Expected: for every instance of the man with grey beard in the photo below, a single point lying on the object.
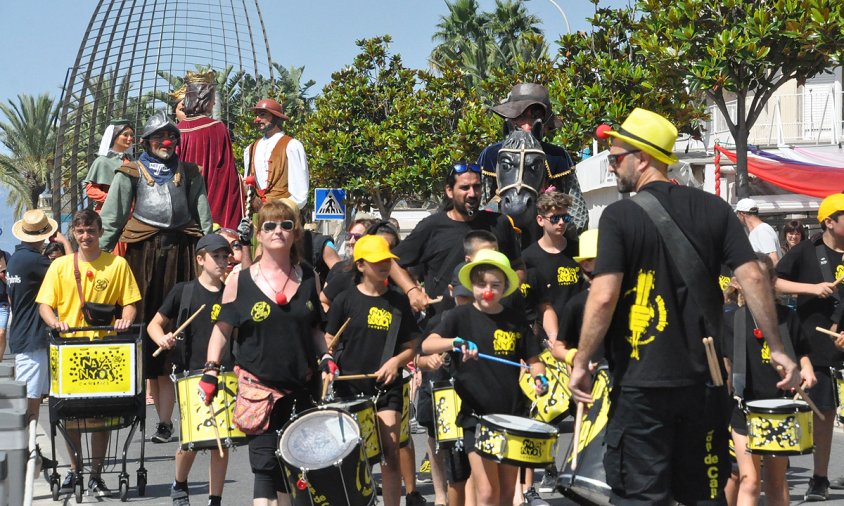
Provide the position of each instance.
(158, 206)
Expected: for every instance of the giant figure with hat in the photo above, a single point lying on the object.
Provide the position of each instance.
(159, 208)
(528, 109)
(275, 165)
(206, 142)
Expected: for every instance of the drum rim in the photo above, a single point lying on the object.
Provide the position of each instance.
(442, 385)
(365, 401)
(516, 431)
(789, 406)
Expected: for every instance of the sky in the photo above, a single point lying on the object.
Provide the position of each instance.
(40, 39)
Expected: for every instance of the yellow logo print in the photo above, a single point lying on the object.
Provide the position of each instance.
(524, 288)
(723, 282)
(379, 318)
(568, 275)
(260, 311)
(504, 341)
(215, 312)
(766, 353)
(642, 313)
(839, 271)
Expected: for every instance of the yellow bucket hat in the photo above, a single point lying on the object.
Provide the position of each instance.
(372, 248)
(648, 131)
(489, 257)
(588, 246)
(830, 205)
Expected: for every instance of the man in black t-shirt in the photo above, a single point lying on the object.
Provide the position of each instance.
(808, 271)
(435, 243)
(667, 433)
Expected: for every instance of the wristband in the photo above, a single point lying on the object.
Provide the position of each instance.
(211, 366)
(459, 341)
(570, 356)
(411, 289)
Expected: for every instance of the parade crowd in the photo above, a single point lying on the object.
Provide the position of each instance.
(697, 310)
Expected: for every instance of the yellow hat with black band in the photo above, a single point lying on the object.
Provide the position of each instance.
(645, 130)
(830, 205)
(490, 257)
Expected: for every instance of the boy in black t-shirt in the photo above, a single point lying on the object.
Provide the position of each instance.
(497, 331)
(212, 257)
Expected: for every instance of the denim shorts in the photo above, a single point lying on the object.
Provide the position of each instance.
(4, 316)
(33, 368)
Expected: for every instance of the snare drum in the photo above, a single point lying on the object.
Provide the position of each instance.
(555, 405)
(323, 460)
(779, 427)
(515, 440)
(446, 406)
(404, 436)
(196, 427)
(363, 410)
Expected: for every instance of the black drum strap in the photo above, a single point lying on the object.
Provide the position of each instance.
(183, 315)
(828, 276)
(392, 336)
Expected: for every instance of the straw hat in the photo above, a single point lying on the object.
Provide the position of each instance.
(648, 131)
(588, 245)
(490, 257)
(35, 226)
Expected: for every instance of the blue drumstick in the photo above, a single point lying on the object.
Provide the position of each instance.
(496, 359)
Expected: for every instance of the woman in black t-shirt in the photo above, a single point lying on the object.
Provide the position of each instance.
(275, 307)
(372, 310)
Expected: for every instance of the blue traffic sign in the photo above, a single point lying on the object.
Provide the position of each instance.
(330, 203)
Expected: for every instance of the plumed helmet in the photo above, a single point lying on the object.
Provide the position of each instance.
(158, 122)
(271, 106)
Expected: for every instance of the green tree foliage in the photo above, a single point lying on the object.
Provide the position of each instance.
(743, 50)
(28, 133)
(385, 132)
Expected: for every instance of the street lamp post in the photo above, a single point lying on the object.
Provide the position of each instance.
(563, 14)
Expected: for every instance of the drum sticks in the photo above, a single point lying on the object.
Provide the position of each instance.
(802, 394)
(216, 430)
(576, 441)
(712, 359)
(355, 377)
(496, 359)
(833, 335)
(181, 328)
(336, 339)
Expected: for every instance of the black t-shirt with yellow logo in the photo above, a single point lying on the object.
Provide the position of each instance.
(801, 264)
(362, 342)
(655, 337)
(485, 386)
(275, 343)
(196, 337)
(557, 277)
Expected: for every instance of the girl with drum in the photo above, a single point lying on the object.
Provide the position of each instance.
(761, 380)
(379, 339)
(275, 307)
(485, 386)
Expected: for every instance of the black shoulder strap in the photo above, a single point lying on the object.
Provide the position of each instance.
(693, 270)
(739, 351)
(829, 276)
(392, 335)
(184, 303)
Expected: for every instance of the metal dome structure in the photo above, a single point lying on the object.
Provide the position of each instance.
(133, 53)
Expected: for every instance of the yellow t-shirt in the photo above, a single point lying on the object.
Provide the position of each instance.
(111, 282)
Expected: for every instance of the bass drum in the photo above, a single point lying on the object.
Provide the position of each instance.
(323, 459)
(588, 484)
(446, 406)
(363, 410)
(196, 425)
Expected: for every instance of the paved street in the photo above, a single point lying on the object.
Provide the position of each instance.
(159, 464)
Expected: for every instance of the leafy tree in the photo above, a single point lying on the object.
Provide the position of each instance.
(743, 50)
(385, 132)
(29, 134)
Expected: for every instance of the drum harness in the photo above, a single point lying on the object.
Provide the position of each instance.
(828, 276)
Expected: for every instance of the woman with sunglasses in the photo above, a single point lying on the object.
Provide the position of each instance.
(379, 339)
(274, 293)
(356, 230)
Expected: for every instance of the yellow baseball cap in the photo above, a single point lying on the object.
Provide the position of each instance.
(490, 257)
(588, 245)
(830, 205)
(648, 131)
(373, 248)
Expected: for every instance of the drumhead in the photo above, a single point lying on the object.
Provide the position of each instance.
(319, 438)
(777, 406)
(518, 423)
(351, 405)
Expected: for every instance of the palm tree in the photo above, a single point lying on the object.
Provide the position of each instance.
(29, 135)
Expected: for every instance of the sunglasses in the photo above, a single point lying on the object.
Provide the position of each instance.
(235, 245)
(460, 168)
(350, 236)
(555, 218)
(270, 226)
(615, 159)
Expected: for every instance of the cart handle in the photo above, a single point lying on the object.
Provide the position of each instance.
(100, 327)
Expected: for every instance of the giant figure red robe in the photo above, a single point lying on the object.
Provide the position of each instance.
(206, 142)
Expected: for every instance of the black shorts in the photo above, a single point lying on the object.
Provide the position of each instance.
(738, 421)
(457, 467)
(391, 399)
(425, 409)
(668, 443)
(822, 393)
(162, 365)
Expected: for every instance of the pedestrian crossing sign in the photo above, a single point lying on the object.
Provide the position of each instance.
(330, 203)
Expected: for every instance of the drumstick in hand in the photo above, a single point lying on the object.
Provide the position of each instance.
(837, 281)
(216, 430)
(325, 382)
(181, 328)
(805, 397)
(336, 339)
(577, 423)
(355, 377)
(833, 335)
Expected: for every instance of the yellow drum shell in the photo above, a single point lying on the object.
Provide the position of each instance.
(446, 406)
(404, 436)
(196, 427)
(363, 411)
(555, 404)
(515, 440)
(779, 427)
(85, 368)
(838, 389)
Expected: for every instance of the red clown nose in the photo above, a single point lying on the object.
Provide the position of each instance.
(601, 132)
(166, 143)
(488, 296)
(249, 180)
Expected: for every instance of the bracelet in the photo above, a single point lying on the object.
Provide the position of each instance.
(570, 356)
(414, 287)
(211, 366)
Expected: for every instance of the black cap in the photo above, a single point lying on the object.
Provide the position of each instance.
(457, 287)
(213, 242)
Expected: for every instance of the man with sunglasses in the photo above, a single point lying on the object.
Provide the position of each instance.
(158, 206)
(434, 246)
(666, 438)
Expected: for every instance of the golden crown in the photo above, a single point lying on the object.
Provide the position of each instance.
(178, 95)
(207, 77)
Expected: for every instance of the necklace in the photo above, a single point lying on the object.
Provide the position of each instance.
(280, 298)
